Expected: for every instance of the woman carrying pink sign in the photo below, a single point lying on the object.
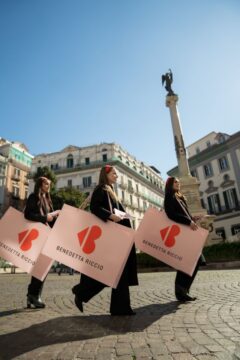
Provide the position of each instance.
(176, 209)
(38, 208)
(103, 203)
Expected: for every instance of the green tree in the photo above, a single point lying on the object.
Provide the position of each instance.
(69, 196)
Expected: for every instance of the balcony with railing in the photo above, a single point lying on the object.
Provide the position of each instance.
(133, 205)
(87, 187)
(224, 210)
(15, 177)
(78, 167)
(130, 189)
(151, 200)
(126, 203)
(123, 185)
(26, 181)
(137, 191)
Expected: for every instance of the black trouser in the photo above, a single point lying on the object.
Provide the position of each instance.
(120, 298)
(184, 280)
(35, 286)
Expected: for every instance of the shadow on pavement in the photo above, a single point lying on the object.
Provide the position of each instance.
(77, 328)
(16, 311)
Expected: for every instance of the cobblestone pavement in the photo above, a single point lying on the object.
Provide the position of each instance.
(208, 328)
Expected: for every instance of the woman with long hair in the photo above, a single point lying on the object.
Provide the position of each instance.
(176, 208)
(103, 201)
(38, 208)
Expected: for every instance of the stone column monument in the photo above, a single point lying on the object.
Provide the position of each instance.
(189, 184)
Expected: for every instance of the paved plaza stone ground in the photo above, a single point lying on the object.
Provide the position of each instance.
(163, 328)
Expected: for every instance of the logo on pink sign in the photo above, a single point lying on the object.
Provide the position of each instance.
(26, 237)
(87, 238)
(169, 234)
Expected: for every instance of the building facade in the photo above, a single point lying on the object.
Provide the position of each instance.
(15, 165)
(138, 187)
(215, 161)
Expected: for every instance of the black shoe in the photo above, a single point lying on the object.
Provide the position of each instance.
(36, 301)
(185, 297)
(180, 292)
(77, 300)
(78, 303)
(74, 289)
(190, 298)
(123, 313)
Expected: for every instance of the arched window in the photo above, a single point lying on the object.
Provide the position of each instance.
(104, 157)
(221, 139)
(210, 183)
(226, 177)
(70, 161)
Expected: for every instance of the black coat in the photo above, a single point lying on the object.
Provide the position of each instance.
(32, 211)
(99, 206)
(175, 211)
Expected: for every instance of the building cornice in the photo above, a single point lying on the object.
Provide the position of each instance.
(115, 162)
(204, 137)
(234, 214)
(77, 148)
(118, 149)
(19, 165)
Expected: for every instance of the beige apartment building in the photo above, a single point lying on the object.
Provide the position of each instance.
(15, 165)
(215, 161)
(139, 186)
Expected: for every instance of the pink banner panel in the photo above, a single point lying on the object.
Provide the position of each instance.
(89, 245)
(174, 244)
(42, 266)
(21, 240)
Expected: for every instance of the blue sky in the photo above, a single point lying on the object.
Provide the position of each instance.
(87, 71)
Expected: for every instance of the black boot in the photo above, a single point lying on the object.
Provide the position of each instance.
(36, 301)
(77, 299)
(182, 294)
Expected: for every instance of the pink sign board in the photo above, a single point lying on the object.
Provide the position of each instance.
(42, 266)
(89, 245)
(21, 240)
(172, 243)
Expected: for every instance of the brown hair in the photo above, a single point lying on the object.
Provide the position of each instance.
(103, 181)
(169, 191)
(38, 192)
